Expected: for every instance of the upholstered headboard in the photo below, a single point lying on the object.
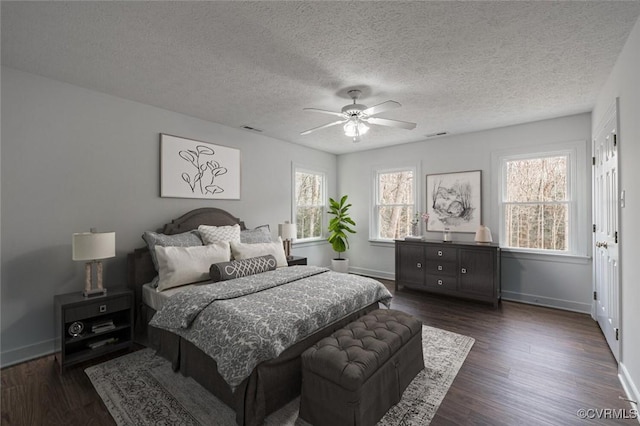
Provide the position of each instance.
(140, 268)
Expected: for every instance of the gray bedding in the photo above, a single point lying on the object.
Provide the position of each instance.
(243, 322)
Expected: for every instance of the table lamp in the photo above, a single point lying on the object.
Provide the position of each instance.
(93, 246)
(287, 231)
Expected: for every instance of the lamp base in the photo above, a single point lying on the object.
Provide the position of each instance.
(287, 248)
(95, 292)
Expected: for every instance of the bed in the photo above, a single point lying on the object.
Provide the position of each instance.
(273, 382)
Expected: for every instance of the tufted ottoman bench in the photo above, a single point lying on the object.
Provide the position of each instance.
(355, 375)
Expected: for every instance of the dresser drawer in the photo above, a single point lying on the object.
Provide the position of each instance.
(435, 267)
(446, 254)
(99, 307)
(441, 281)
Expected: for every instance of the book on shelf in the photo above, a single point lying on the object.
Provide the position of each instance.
(100, 343)
(102, 326)
(101, 329)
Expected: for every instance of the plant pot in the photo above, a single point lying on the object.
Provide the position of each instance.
(340, 265)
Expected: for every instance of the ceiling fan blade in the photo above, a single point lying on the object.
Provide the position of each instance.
(392, 123)
(385, 106)
(324, 126)
(324, 111)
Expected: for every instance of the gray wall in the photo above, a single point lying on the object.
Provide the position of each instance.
(73, 159)
(561, 282)
(623, 83)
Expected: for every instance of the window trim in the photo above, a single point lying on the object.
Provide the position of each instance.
(578, 191)
(374, 225)
(295, 168)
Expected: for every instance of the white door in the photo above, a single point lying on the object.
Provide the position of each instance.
(606, 265)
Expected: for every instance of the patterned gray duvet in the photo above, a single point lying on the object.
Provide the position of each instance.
(243, 322)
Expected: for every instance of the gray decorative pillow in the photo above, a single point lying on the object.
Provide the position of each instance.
(210, 234)
(240, 268)
(260, 234)
(186, 239)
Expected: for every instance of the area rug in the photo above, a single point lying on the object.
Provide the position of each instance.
(141, 389)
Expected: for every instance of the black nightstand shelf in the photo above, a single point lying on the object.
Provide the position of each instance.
(296, 260)
(114, 309)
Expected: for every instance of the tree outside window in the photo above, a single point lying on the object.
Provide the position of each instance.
(310, 204)
(395, 203)
(537, 203)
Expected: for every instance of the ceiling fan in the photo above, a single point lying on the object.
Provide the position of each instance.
(355, 117)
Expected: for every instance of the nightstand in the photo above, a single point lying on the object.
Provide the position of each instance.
(297, 260)
(92, 327)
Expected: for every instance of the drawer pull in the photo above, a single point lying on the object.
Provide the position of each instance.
(439, 252)
(439, 267)
(419, 265)
(439, 282)
(464, 270)
(103, 308)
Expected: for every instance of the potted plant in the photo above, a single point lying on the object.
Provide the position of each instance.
(339, 226)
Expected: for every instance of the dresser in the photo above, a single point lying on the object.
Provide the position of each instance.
(468, 270)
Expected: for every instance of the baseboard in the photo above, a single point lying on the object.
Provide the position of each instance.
(27, 353)
(531, 299)
(630, 388)
(372, 273)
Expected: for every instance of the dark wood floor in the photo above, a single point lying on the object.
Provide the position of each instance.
(528, 366)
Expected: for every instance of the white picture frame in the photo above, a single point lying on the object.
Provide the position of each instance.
(195, 169)
(454, 201)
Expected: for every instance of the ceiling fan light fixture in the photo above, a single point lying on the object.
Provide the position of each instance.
(355, 128)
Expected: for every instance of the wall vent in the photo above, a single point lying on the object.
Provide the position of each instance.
(436, 134)
(251, 129)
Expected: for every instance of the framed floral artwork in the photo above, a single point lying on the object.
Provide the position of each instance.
(195, 169)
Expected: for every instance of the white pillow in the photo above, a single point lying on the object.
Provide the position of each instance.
(210, 234)
(185, 265)
(246, 251)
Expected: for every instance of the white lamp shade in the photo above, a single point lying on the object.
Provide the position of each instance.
(287, 231)
(355, 128)
(93, 245)
(483, 234)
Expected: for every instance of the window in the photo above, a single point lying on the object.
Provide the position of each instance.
(537, 203)
(395, 203)
(539, 208)
(309, 201)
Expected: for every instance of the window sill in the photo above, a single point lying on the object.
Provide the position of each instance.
(511, 253)
(382, 243)
(309, 242)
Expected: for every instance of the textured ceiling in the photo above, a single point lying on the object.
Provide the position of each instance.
(454, 66)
